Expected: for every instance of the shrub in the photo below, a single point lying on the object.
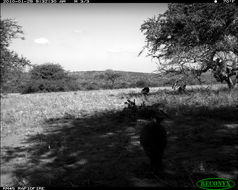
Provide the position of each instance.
(49, 78)
(141, 83)
(91, 86)
(122, 85)
(48, 71)
(50, 86)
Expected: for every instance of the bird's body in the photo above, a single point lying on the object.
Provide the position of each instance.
(182, 88)
(153, 140)
(145, 90)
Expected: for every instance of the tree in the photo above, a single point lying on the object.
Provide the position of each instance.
(12, 65)
(49, 77)
(110, 76)
(48, 71)
(187, 39)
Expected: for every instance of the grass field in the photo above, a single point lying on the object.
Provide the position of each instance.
(87, 138)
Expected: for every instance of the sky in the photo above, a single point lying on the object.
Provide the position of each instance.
(84, 37)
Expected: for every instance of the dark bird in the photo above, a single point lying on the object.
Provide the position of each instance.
(153, 139)
(145, 90)
(182, 88)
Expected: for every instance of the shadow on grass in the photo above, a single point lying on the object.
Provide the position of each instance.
(102, 149)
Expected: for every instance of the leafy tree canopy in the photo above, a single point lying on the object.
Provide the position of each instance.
(48, 71)
(9, 30)
(11, 64)
(49, 77)
(187, 37)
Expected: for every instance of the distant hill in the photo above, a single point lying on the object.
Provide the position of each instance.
(88, 80)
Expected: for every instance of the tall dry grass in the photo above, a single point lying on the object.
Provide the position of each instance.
(69, 144)
(21, 113)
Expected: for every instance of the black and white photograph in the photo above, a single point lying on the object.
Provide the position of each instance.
(119, 95)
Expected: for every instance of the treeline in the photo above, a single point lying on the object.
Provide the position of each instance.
(51, 77)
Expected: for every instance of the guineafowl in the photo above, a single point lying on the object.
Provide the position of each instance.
(182, 88)
(145, 90)
(153, 140)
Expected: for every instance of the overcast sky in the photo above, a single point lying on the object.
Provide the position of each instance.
(83, 37)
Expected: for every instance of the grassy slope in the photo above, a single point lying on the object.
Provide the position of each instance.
(130, 78)
(85, 138)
